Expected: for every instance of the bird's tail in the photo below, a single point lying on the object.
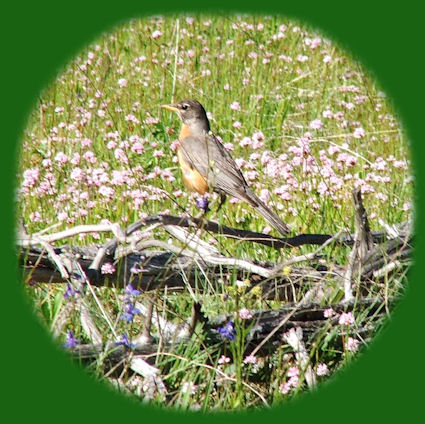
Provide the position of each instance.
(267, 213)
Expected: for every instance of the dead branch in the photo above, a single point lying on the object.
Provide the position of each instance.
(152, 264)
(362, 244)
(155, 270)
(309, 319)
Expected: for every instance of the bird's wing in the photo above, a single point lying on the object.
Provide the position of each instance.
(209, 157)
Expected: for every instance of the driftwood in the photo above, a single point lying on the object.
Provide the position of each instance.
(150, 264)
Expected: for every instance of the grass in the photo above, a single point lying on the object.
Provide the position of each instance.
(305, 122)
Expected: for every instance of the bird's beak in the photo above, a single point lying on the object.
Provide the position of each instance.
(172, 108)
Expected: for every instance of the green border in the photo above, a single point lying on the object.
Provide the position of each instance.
(39, 383)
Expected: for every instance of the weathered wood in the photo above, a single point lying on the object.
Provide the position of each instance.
(310, 318)
(151, 264)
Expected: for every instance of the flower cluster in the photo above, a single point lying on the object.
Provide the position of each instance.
(129, 303)
(228, 331)
(292, 382)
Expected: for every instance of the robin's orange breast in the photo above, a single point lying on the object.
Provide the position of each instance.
(193, 180)
(184, 132)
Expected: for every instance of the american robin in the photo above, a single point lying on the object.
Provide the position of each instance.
(206, 165)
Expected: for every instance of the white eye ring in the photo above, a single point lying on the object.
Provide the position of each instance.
(185, 106)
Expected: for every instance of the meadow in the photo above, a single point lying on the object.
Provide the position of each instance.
(306, 124)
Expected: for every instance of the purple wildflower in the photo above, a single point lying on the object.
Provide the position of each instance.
(69, 292)
(228, 331)
(130, 311)
(124, 341)
(130, 291)
(71, 341)
(202, 203)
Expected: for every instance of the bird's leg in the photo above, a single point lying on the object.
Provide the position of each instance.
(222, 200)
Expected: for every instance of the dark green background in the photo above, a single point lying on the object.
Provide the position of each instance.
(39, 383)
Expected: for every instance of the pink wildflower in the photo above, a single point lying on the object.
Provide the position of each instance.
(122, 82)
(62, 158)
(156, 34)
(400, 164)
(265, 195)
(107, 268)
(76, 158)
(119, 177)
(352, 345)
(77, 174)
(346, 318)
(120, 155)
(359, 132)
(174, 145)
(327, 114)
(189, 387)
(285, 388)
(131, 118)
(293, 372)
(35, 217)
(258, 136)
(317, 124)
(223, 359)
(250, 359)
(322, 369)
(85, 142)
(257, 144)
(327, 313)
(235, 106)
(245, 313)
(31, 177)
(240, 162)
(158, 153)
(267, 229)
(106, 191)
(137, 148)
(62, 216)
(111, 145)
(246, 141)
(90, 157)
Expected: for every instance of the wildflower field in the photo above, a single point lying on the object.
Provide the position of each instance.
(306, 124)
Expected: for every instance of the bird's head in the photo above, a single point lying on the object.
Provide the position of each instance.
(190, 111)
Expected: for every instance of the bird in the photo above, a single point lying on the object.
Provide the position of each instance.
(207, 166)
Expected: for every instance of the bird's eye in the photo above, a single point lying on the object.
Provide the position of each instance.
(185, 106)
